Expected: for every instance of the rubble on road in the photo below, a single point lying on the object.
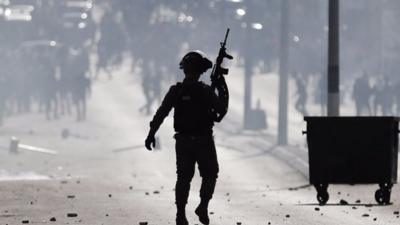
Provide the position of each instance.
(72, 214)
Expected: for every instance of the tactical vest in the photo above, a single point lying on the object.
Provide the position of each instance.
(192, 114)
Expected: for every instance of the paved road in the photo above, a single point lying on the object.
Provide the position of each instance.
(104, 179)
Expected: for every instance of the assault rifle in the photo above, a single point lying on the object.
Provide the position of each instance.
(219, 71)
(217, 76)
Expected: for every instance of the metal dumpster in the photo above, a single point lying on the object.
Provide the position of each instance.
(353, 150)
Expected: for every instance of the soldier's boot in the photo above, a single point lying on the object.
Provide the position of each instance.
(181, 216)
(181, 220)
(202, 212)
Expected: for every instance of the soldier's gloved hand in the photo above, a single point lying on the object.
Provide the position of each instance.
(220, 81)
(150, 141)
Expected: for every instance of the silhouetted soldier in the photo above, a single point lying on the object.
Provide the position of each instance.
(195, 106)
(361, 94)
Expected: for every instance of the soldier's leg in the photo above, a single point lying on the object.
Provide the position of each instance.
(208, 166)
(185, 165)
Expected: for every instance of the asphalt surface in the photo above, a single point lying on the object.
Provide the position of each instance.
(102, 174)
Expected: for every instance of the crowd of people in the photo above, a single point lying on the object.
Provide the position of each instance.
(376, 96)
(370, 95)
(46, 78)
(45, 60)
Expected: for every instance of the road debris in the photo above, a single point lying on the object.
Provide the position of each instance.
(16, 146)
(72, 215)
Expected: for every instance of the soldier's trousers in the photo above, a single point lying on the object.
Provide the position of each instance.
(189, 151)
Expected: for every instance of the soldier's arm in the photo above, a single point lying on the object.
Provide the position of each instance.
(219, 102)
(163, 111)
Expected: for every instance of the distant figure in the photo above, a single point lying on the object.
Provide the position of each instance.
(151, 85)
(387, 97)
(321, 93)
(80, 83)
(301, 101)
(196, 105)
(362, 94)
(111, 44)
(383, 97)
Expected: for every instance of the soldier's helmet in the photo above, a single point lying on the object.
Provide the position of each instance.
(195, 62)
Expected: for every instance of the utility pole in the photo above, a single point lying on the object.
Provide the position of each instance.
(283, 74)
(248, 68)
(333, 59)
(248, 73)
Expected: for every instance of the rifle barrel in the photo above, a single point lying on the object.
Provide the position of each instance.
(226, 35)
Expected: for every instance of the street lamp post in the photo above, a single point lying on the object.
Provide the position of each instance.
(283, 75)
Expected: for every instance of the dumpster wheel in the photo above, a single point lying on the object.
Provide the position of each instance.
(382, 195)
(322, 197)
(322, 193)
